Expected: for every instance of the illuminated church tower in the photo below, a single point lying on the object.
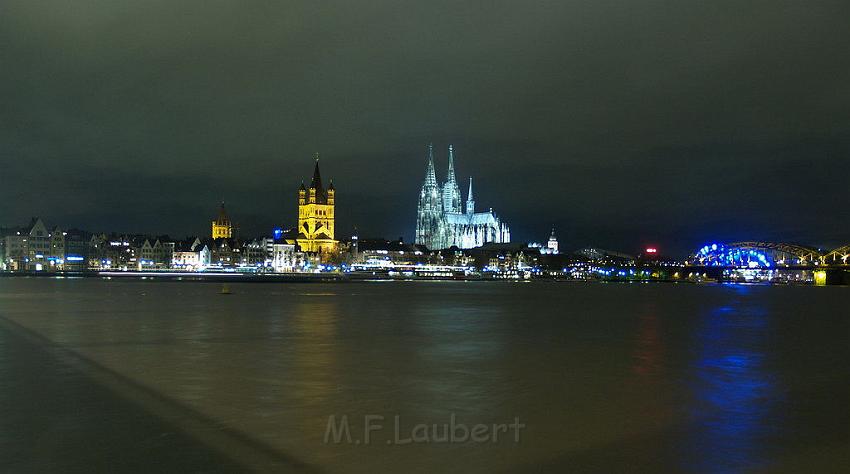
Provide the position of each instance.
(222, 228)
(316, 215)
(451, 191)
(429, 224)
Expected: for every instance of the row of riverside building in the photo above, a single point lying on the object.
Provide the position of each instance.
(311, 246)
(38, 248)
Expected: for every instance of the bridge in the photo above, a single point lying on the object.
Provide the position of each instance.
(755, 254)
(831, 267)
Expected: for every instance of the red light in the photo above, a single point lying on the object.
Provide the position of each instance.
(651, 250)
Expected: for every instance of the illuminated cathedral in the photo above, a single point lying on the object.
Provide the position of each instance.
(441, 220)
(316, 215)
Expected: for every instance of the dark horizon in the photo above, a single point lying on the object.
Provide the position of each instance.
(622, 125)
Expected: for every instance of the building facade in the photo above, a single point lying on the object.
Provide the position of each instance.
(441, 220)
(76, 250)
(112, 252)
(153, 253)
(315, 233)
(283, 257)
(33, 248)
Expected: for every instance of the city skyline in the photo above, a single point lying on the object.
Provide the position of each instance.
(620, 126)
(290, 221)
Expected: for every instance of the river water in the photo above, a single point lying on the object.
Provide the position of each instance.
(137, 375)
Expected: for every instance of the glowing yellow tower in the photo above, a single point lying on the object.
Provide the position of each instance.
(316, 215)
(221, 226)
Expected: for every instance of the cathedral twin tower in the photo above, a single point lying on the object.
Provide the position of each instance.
(441, 221)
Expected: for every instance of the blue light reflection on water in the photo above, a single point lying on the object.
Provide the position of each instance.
(735, 392)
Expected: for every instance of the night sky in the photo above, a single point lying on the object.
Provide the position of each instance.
(622, 123)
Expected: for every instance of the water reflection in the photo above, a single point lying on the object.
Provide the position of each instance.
(460, 361)
(734, 390)
(649, 345)
(314, 356)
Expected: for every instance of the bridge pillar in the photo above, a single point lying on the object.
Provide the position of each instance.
(833, 276)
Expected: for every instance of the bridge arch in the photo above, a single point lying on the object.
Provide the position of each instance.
(755, 254)
(804, 255)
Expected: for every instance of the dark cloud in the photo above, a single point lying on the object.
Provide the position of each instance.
(621, 123)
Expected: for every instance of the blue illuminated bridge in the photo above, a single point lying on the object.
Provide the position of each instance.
(765, 255)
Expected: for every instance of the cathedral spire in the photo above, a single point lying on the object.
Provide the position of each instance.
(451, 191)
(470, 202)
(450, 176)
(430, 173)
